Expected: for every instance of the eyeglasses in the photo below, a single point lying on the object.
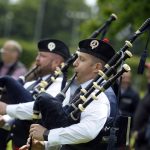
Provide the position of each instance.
(2, 50)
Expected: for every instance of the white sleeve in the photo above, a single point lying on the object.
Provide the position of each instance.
(27, 84)
(24, 111)
(21, 111)
(92, 121)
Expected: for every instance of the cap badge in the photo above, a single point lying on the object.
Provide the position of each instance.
(51, 46)
(94, 44)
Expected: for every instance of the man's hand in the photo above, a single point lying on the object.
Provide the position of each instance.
(36, 132)
(24, 147)
(2, 121)
(3, 108)
(36, 145)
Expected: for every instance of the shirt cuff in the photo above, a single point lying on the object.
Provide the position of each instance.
(8, 122)
(7, 118)
(46, 145)
(53, 137)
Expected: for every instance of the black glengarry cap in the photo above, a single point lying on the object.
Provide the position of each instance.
(97, 48)
(54, 46)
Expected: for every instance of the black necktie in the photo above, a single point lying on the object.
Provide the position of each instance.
(73, 97)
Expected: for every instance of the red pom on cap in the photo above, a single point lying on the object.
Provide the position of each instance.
(106, 40)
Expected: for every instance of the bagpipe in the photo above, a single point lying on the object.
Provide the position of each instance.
(7, 83)
(46, 104)
(54, 115)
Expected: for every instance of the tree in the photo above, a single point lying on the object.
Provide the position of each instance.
(24, 19)
(3, 15)
(43, 18)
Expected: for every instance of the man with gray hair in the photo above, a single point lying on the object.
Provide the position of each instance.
(10, 64)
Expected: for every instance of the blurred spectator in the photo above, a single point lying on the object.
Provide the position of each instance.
(129, 97)
(10, 64)
(147, 66)
(141, 122)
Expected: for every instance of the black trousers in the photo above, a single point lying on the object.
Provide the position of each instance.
(4, 135)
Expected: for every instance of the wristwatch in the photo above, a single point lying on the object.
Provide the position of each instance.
(45, 135)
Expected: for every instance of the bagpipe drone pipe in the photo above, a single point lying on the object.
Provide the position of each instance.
(54, 115)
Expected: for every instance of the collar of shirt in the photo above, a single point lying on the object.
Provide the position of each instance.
(47, 76)
(85, 84)
(72, 89)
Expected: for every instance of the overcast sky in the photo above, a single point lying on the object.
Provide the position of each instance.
(91, 2)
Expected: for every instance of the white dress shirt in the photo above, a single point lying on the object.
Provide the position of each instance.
(92, 121)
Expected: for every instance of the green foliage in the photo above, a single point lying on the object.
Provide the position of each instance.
(24, 19)
(91, 26)
(128, 11)
(29, 53)
(4, 8)
(61, 19)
